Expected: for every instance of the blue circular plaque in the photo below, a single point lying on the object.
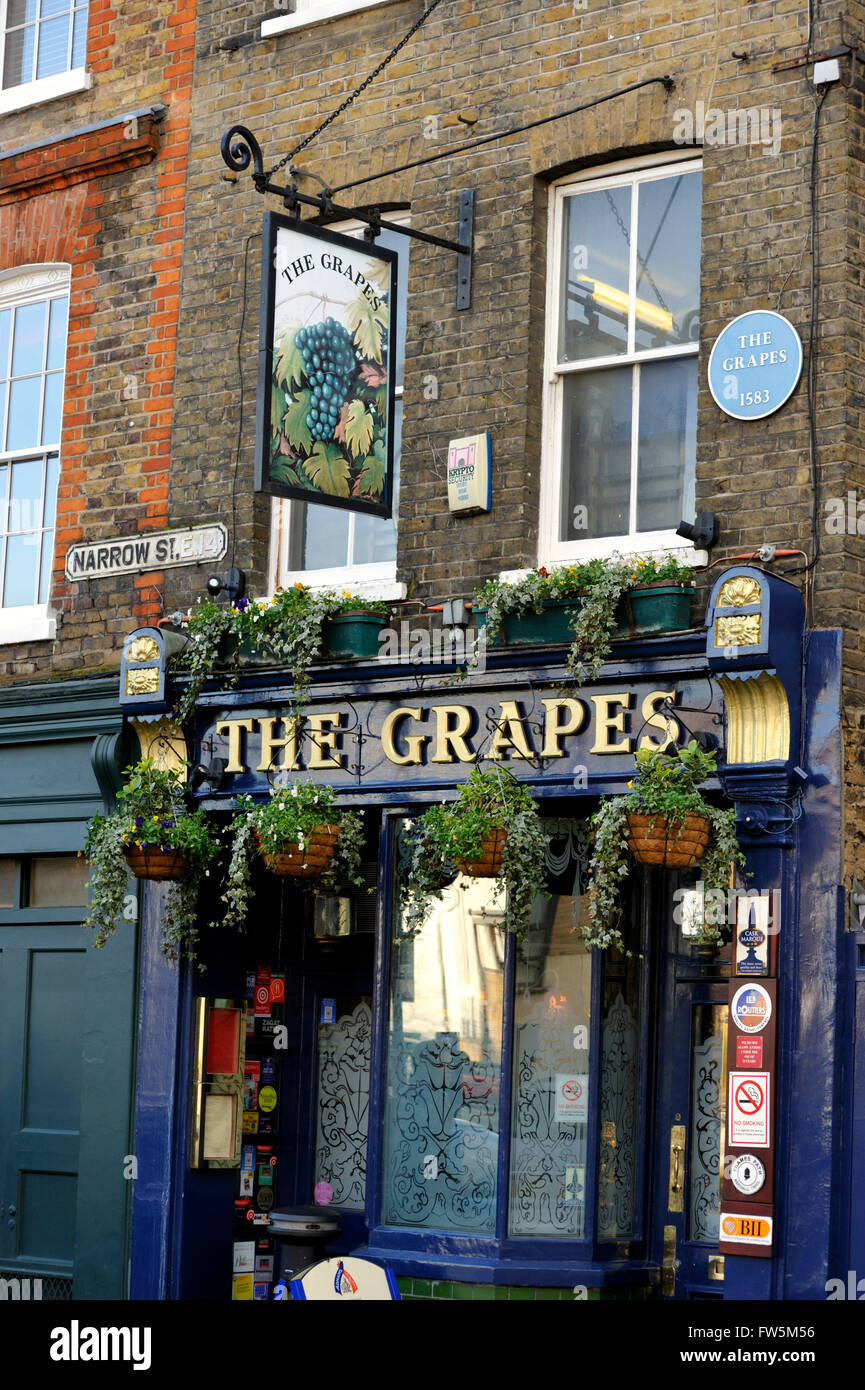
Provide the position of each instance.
(755, 364)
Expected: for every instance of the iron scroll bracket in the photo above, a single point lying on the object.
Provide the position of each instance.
(240, 148)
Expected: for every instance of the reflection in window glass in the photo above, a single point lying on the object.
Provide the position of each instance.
(597, 452)
(549, 1131)
(668, 443)
(595, 273)
(58, 881)
(441, 1141)
(668, 268)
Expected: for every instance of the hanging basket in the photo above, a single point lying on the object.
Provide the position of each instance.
(676, 846)
(292, 861)
(489, 863)
(157, 863)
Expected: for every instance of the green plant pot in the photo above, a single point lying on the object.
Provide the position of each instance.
(655, 608)
(232, 652)
(552, 626)
(353, 636)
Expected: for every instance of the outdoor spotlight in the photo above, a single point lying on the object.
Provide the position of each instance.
(233, 584)
(703, 531)
(208, 774)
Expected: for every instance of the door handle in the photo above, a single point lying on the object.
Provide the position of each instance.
(676, 1184)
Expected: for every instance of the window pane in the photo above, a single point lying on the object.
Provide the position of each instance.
(620, 1035)
(668, 442)
(375, 536)
(596, 436)
(707, 1098)
(57, 333)
(28, 344)
(52, 7)
(53, 54)
(596, 259)
(22, 560)
(52, 408)
(79, 39)
(58, 881)
(25, 511)
(45, 563)
(342, 1102)
(668, 261)
(443, 1069)
(52, 470)
(24, 400)
(18, 60)
(324, 542)
(549, 1109)
(5, 322)
(7, 882)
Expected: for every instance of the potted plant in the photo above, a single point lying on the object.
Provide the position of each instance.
(587, 606)
(153, 835)
(664, 820)
(492, 830)
(299, 832)
(289, 628)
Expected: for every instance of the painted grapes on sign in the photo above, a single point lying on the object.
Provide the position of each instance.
(330, 382)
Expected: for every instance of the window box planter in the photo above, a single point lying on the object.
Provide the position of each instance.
(654, 608)
(353, 636)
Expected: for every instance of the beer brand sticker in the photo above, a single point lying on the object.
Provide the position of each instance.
(746, 1230)
(751, 1008)
(267, 1099)
(747, 1174)
(748, 1110)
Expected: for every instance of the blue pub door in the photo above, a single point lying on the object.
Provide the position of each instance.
(689, 1118)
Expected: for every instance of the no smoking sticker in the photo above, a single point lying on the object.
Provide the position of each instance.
(572, 1098)
(748, 1109)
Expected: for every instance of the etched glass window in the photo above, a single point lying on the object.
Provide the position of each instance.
(551, 1087)
(442, 1122)
(342, 1105)
(620, 1076)
(707, 1119)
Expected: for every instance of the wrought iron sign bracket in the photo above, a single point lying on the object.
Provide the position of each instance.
(240, 148)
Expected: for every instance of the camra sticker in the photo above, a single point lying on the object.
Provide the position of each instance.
(751, 1008)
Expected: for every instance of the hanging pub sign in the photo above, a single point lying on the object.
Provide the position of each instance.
(326, 368)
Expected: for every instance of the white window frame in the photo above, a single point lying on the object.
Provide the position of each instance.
(304, 13)
(376, 580)
(552, 550)
(40, 89)
(27, 285)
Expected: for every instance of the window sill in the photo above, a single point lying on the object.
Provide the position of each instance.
(62, 84)
(34, 624)
(605, 549)
(316, 14)
(390, 590)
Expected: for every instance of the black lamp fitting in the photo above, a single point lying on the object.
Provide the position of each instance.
(703, 531)
(234, 585)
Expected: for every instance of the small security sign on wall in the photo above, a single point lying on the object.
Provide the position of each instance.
(755, 365)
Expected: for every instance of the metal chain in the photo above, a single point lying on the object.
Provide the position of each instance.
(308, 139)
(646, 271)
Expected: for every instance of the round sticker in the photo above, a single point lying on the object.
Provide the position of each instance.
(267, 1099)
(752, 1008)
(264, 1199)
(323, 1193)
(747, 1173)
(755, 364)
